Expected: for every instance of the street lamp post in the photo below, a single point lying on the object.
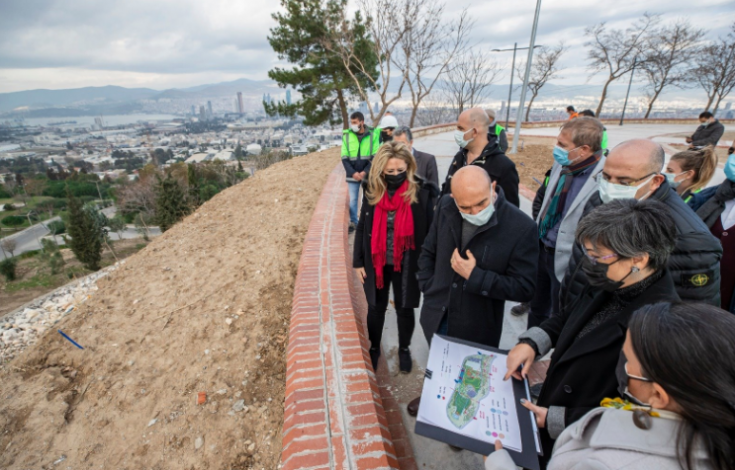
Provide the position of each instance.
(625, 104)
(512, 71)
(517, 131)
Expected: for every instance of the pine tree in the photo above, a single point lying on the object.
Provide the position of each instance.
(193, 183)
(318, 74)
(86, 238)
(171, 202)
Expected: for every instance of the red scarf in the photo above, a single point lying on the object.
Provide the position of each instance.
(402, 231)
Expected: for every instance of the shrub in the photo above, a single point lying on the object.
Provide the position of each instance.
(9, 207)
(13, 220)
(56, 227)
(60, 204)
(7, 268)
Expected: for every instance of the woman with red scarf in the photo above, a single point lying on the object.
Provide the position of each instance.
(396, 213)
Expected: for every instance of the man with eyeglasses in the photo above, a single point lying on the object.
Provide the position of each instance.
(578, 155)
(633, 170)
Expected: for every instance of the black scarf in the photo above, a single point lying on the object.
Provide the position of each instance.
(713, 208)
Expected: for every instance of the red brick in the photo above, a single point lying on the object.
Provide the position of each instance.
(312, 430)
(299, 462)
(377, 462)
(298, 446)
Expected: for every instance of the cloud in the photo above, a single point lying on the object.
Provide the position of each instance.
(166, 43)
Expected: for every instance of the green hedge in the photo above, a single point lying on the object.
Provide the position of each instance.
(13, 220)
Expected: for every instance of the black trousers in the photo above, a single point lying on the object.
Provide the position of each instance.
(376, 313)
(546, 297)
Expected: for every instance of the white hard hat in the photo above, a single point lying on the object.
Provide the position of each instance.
(388, 121)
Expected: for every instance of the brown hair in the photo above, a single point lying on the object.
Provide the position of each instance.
(703, 161)
(585, 131)
(376, 186)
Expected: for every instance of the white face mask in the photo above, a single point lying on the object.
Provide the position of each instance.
(355, 128)
(609, 191)
(459, 138)
(481, 218)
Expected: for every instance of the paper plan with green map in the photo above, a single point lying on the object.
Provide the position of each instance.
(466, 394)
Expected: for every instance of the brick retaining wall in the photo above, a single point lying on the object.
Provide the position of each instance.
(334, 416)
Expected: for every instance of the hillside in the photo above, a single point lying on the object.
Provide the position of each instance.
(203, 308)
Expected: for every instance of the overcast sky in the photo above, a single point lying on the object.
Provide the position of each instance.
(178, 43)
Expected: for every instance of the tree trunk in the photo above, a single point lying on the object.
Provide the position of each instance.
(709, 101)
(650, 104)
(414, 111)
(343, 110)
(717, 105)
(530, 103)
(602, 98)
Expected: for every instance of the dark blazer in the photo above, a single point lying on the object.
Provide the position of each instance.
(426, 167)
(498, 166)
(697, 253)
(582, 372)
(423, 213)
(708, 135)
(506, 249)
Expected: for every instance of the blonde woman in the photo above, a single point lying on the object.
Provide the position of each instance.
(397, 210)
(688, 172)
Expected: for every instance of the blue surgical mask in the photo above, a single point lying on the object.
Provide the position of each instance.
(610, 191)
(459, 138)
(562, 156)
(481, 218)
(670, 177)
(730, 168)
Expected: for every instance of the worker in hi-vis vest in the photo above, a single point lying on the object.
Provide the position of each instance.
(590, 113)
(497, 130)
(359, 145)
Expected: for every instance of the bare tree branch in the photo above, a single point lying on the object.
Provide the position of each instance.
(543, 68)
(715, 69)
(669, 52)
(615, 50)
(467, 82)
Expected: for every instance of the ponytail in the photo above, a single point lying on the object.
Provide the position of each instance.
(704, 163)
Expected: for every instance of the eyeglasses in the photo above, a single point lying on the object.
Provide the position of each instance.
(642, 379)
(602, 176)
(597, 259)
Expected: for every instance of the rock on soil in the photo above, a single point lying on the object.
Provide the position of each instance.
(145, 331)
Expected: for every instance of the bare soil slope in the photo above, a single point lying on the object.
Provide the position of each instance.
(203, 308)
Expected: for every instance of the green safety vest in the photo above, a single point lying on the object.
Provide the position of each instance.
(498, 129)
(691, 195)
(604, 139)
(367, 147)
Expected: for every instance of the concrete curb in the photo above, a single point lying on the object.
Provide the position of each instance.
(333, 413)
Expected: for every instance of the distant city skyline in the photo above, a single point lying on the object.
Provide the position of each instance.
(161, 45)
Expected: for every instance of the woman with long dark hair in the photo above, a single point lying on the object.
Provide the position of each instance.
(688, 172)
(396, 213)
(678, 410)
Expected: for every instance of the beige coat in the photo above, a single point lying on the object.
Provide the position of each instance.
(607, 439)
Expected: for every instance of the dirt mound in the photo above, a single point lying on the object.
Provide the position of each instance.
(204, 308)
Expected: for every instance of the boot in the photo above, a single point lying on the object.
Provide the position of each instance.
(521, 309)
(413, 407)
(404, 360)
(374, 356)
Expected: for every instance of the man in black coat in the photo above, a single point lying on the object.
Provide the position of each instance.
(708, 133)
(480, 251)
(695, 262)
(472, 136)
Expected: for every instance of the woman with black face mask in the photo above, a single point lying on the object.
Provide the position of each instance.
(627, 245)
(678, 409)
(396, 213)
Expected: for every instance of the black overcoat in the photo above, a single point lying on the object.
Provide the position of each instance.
(423, 213)
(506, 250)
(582, 371)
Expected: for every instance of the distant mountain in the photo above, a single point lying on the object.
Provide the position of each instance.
(71, 97)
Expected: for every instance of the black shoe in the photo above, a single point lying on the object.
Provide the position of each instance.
(404, 360)
(521, 309)
(455, 448)
(413, 407)
(351, 229)
(374, 356)
(536, 390)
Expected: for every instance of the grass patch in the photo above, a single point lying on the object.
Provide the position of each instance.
(39, 280)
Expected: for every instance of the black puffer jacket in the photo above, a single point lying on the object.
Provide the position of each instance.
(694, 264)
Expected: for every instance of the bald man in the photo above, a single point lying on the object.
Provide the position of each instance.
(471, 135)
(633, 170)
(480, 251)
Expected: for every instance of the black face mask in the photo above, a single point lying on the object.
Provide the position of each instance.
(597, 275)
(395, 181)
(386, 137)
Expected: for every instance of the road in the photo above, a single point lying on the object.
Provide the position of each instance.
(30, 238)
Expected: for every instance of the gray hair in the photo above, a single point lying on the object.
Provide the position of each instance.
(585, 131)
(403, 130)
(490, 114)
(630, 228)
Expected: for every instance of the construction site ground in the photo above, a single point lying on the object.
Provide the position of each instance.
(204, 308)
